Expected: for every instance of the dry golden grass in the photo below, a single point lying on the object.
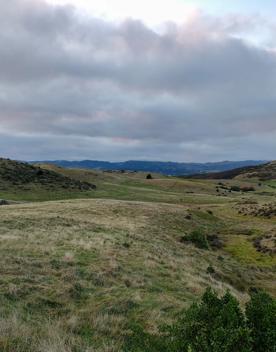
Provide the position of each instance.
(76, 274)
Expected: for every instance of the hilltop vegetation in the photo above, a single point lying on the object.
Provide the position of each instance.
(76, 274)
(263, 172)
(24, 181)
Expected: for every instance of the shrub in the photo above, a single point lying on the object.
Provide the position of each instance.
(198, 238)
(261, 316)
(210, 270)
(149, 177)
(141, 341)
(214, 325)
(235, 189)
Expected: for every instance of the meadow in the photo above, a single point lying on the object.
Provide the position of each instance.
(78, 269)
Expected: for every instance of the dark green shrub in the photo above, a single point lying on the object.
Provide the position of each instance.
(261, 319)
(198, 238)
(235, 189)
(214, 325)
(210, 270)
(141, 341)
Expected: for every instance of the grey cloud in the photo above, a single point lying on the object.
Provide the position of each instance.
(186, 92)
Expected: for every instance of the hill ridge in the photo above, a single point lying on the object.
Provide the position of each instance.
(263, 172)
(21, 175)
(166, 168)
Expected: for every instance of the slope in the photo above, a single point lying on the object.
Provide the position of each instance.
(262, 172)
(76, 274)
(19, 180)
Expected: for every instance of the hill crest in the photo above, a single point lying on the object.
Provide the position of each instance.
(21, 175)
(262, 172)
(165, 168)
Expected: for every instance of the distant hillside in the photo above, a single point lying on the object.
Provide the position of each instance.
(23, 176)
(263, 172)
(166, 168)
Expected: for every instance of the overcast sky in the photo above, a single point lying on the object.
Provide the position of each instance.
(122, 79)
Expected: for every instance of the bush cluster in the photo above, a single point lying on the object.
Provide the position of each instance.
(214, 325)
(198, 238)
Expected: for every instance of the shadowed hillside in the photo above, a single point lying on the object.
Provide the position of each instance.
(16, 177)
(262, 172)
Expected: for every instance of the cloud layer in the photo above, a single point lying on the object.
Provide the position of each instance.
(74, 87)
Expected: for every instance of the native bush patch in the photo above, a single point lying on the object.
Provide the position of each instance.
(198, 238)
(214, 325)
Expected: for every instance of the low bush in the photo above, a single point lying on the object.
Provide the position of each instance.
(261, 315)
(198, 238)
(214, 325)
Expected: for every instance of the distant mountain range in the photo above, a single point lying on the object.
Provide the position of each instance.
(166, 168)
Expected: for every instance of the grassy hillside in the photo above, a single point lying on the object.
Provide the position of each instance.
(76, 274)
(263, 172)
(21, 181)
(135, 186)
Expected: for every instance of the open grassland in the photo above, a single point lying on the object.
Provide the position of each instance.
(135, 187)
(77, 273)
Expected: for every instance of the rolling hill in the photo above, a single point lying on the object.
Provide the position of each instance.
(263, 172)
(77, 273)
(165, 168)
(18, 177)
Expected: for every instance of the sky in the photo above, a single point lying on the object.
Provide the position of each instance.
(169, 80)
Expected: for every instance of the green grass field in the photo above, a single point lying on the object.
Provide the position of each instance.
(79, 268)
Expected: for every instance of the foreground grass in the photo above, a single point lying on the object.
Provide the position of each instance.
(75, 275)
(79, 268)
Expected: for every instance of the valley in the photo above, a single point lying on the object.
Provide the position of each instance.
(79, 266)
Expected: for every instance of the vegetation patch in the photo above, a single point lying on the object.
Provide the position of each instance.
(202, 240)
(16, 177)
(266, 244)
(214, 325)
(267, 210)
(244, 250)
(198, 238)
(76, 274)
